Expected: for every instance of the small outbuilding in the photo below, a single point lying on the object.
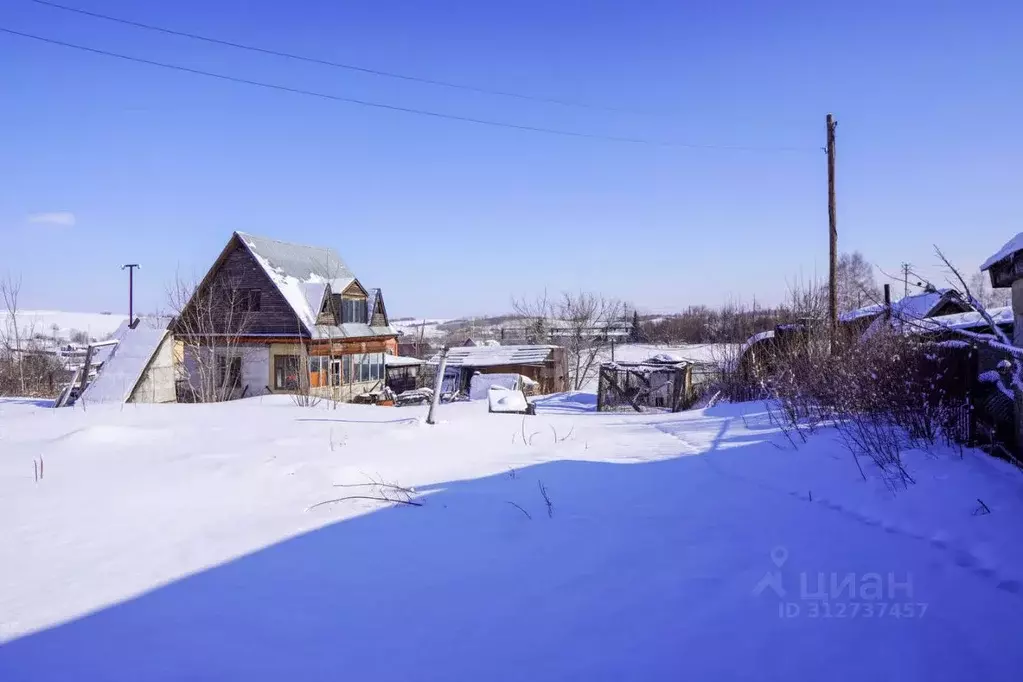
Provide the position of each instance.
(657, 384)
(402, 372)
(543, 364)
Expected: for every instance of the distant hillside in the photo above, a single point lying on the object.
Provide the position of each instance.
(62, 325)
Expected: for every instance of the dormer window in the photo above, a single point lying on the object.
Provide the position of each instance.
(353, 310)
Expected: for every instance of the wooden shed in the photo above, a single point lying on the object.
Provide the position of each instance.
(543, 364)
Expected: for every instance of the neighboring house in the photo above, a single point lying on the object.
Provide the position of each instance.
(909, 309)
(277, 317)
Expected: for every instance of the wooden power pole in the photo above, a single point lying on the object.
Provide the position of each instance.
(832, 235)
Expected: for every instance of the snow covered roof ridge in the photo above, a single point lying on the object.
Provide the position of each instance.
(1010, 247)
(914, 306)
(301, 273)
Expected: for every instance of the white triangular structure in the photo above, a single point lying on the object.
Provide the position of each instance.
(140, 368)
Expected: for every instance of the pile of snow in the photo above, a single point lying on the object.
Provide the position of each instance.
(700, 353)
(252, 540)
(501, 399)
(664, 359)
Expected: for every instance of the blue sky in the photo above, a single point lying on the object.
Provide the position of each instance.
(451, 218)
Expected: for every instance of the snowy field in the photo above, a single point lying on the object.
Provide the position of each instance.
(413, 327)
(50, 323)
(183, 542)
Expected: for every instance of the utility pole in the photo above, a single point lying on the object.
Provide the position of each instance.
(832, 234)
(131, 291)
(905, 279)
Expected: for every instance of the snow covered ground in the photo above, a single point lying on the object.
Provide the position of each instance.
(97, 325)
(171, 542)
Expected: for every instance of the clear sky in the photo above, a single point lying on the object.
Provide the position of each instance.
(104, 161)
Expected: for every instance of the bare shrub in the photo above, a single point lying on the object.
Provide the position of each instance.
(546, 498)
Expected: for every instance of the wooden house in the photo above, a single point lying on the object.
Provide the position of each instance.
(277, 317)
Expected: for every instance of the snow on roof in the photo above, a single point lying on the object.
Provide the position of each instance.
(756, 338)
(917, 306)
(663, 359)
(301, 273)
(492, 356)
(401, 361)
(1010, 247)
(373, 295)
(128, 359)
(960, 321)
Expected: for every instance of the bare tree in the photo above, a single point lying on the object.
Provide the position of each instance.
(982, 291)
(856, 285)
(10, 291)
(211, 319)
(584, 324)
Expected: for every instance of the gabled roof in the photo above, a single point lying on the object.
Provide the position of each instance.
(128, 361)
(1010, 247)
(917, 306)
(304, 274)
(492, 356)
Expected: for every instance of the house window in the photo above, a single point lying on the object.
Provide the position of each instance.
(347, 368)
(253, 297)
(318, 368)
(245, 300)
(335, 372)
(229, 371)
(367, 366)
(286, 372)
(353, 310)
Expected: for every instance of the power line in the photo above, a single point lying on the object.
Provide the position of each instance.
(338, 65)
(394, 107)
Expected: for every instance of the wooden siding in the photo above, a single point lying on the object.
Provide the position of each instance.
(236, 269)
(275, 315)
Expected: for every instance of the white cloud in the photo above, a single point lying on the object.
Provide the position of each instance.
(53, 218)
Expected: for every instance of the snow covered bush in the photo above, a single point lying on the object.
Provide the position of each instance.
(885, 395)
